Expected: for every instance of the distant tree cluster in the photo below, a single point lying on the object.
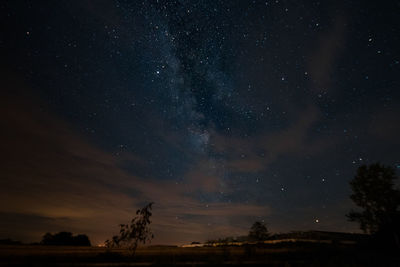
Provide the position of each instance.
(9, 241)
(226, 240)
(65, 239)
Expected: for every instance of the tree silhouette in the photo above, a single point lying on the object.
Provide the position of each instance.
(138, 231)
(374, 191)
(258, 231)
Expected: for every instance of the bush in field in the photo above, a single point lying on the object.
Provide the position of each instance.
(138, 231)
(65, 239)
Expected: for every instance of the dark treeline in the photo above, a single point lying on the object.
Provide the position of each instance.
(65, 239)
(9, 241)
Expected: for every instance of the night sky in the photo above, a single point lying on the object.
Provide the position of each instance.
(221, 112)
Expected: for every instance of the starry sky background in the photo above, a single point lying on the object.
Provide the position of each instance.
(221, 112)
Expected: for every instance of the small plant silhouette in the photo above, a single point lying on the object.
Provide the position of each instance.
(138, 231)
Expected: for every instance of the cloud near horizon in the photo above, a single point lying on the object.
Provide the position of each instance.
(55, 180)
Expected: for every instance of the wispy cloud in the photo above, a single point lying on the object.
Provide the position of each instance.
(257, 152)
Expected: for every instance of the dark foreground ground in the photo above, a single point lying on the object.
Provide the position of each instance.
(289, 254)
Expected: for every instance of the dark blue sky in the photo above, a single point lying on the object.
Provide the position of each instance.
(221, 112)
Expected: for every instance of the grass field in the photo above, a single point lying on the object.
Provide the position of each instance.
(289, 254)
